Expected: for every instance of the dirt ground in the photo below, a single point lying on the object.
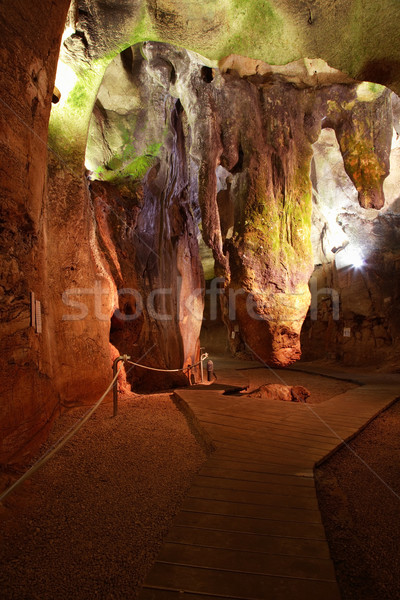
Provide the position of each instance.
(90, 523)
(359, 496)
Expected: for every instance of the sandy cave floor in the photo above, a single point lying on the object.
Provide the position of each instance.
(90, 524)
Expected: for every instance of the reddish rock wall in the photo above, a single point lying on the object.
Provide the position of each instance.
(29, 44)
(354, 316)
(80, 292)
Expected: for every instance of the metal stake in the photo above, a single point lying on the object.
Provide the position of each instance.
(201, 364)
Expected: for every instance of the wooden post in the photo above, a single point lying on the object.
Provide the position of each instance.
(115, 386)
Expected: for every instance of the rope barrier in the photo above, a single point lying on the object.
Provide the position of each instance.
(127, 360)
(153, 368)
(204, 356)
(42, 461)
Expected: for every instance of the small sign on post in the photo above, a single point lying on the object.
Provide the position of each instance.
(38, 315)
(124, 357)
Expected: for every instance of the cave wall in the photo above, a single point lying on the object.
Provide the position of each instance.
(256, 133)
(148, 236)
(80, 293)
(260, 137)
(355, 312)
(29, 47)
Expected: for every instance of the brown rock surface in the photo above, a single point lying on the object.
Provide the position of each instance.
(354, 311)
(300, 393)
(29, 46)
(251, 141)
(277, 391)
(273, 391)
(320, 388)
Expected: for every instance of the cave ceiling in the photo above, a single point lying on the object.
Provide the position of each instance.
(361, 39)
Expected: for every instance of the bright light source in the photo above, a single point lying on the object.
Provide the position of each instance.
(354, 257)
(65, 80)
(349, 256)
(358, 262)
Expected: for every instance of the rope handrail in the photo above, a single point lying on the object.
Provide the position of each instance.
(44, 459)
(203, 357)
(62, 441)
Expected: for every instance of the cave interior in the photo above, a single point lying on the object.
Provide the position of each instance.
(182, 179)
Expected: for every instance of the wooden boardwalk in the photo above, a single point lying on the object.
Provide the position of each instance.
(250, 527)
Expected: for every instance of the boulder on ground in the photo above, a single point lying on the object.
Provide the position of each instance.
(277, 391)
(299, 393)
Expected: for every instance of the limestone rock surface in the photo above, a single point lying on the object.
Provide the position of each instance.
(248, 134)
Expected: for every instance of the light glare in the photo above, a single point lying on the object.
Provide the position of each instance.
(349, 256)
(65, 80)
(67, 32)
(355, 259)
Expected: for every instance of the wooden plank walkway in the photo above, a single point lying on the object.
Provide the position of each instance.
(250, 527)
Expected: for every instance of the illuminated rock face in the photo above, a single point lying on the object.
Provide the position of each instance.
(249, 146)
(256, 220)
(363, 127)
(29, 45)
(270, 255)
(148, 238)
(355, 285)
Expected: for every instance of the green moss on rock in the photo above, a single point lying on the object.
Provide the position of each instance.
(137, 166)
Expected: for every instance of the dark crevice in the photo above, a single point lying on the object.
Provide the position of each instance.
(207, 74)
(238, 168)
(127, 59)
(278, 175)
(173, 75)
(178, 107)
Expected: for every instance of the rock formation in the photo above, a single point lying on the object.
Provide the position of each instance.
(355, 296)
(249, 134)
(148, 236)
(29, 61)
(284, 393)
